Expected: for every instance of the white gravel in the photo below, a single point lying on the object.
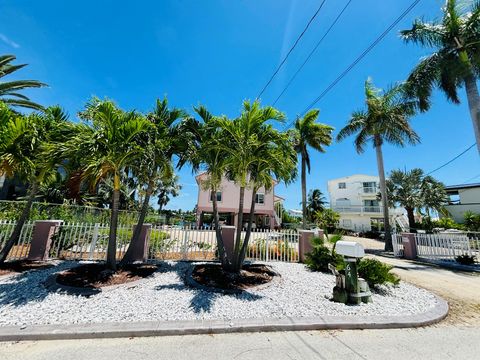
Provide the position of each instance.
(300, 293)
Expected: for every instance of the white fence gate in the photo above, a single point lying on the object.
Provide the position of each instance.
(87, 241)
(442, 246)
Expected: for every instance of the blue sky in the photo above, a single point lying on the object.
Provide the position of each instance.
(219, 53)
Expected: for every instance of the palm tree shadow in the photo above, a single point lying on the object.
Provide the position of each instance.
(28, 286)
(202, 300)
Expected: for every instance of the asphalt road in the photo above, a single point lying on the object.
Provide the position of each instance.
(425, 343)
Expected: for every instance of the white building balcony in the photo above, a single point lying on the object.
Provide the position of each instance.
(357, 209)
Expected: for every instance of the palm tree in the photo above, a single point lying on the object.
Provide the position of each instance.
(309, 134)
(167, 186)
(155, 162)
(202, 150)
(256, 154)
(414, 191)
(24, 141)
(455, 61)
(108, 142)
(386, 119)
(9, 91)
(316, 202)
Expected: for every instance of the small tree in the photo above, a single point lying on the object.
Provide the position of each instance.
(108, 142)
(309, 134)
(24, 141)
(316, 202)
(414, 191)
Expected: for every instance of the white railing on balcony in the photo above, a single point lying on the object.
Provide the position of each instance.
(370, 190)
(358, 209)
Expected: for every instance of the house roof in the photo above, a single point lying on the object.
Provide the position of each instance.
(354, 176)
(462, 186)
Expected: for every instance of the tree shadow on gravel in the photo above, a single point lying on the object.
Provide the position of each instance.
(202, 300)
(27, 287)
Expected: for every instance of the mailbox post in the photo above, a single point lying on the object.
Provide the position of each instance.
(355, 290)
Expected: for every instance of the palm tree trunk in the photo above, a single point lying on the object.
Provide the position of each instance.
(243, 251)
(474, 105)
(138, 228)
(218, 232)
(112, 237)
(21, 221)
(236, 253)
(411, 218)
(383, 191)
(304, 193)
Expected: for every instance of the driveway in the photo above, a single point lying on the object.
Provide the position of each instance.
(461, 289)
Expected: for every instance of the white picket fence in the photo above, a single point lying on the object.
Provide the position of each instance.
(21, 248)
(87, 241)
(442, 246)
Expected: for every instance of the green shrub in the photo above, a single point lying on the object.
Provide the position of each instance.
(376, 273)
(321, 256)
(465, 259)
(471, 221)
(447, 223)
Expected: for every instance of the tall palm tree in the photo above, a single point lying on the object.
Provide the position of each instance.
(414, 191)
(386, 119)
(24, 141)
(455, 62)
(250, 145)
(309, 134)
(315, 202)
(202, 150)
(155, 162)
(9, 90)
(108, 142)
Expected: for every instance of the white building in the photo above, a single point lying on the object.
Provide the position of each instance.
(355, 198)
(463, 198)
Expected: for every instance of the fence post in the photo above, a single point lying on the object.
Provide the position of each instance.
(94, 241)
(409, 246)
(228, 236)
(185, 241)
(305, 243)
(43, 232)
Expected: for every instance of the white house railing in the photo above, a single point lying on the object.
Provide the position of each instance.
(357, 209)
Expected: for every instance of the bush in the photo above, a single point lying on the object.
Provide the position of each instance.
(376, 273)
(276, 250)
(471, 221)
(447, 223)
(321, 256)
(465, 259)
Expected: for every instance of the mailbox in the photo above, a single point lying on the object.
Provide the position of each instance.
(350, 249)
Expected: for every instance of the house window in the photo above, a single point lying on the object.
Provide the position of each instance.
(260, 199)
(369, 187)
(219, 196)
(342, 185)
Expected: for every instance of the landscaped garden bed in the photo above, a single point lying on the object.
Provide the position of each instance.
(301, 293)
(95, 275)
(212, 276)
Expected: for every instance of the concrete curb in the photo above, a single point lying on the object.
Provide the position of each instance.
(193, 327)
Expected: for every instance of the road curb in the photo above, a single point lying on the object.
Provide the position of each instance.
(194, 327)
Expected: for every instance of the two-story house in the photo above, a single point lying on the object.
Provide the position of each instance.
(355, 199)
(228, 198)
(463, 198)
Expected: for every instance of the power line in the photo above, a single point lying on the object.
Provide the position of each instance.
(313, 51)
(362, 55)
(472, 178)
(455, 158)
(292, 48)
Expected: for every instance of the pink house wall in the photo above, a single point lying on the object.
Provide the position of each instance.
(231, 197)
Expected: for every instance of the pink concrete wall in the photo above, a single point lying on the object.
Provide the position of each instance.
(231, 197)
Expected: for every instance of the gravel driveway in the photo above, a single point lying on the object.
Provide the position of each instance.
(164, 296)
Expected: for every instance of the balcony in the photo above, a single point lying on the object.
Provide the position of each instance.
(370, 190)
(357, 209)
